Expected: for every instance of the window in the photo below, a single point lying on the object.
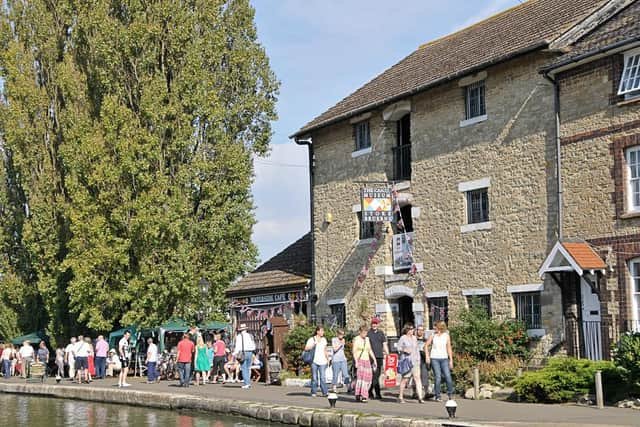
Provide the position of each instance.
(474, 100)
(630, 80)
(477, 206)
(482, 301)
(633, 178)
(338, 316)
(366, 229)
(634, 267)
(361, 134)
(528, 309)
(438, 310)
(407, 220)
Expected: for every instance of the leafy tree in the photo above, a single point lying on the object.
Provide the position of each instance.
(129, 129)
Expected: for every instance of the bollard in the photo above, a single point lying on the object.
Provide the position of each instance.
(476, 383)
(519, 373)
(599, 395)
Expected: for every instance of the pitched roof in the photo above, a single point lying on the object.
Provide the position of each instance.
(622, 28)
(523, 28)
(584, 255)
(290, 267)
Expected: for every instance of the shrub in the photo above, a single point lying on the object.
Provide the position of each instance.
(486, 339)
(564, 379)
(626, 355)
(294, 343)
(499, 372)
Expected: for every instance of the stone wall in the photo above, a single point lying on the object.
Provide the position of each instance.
(514, 148)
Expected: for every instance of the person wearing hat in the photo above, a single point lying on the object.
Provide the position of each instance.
(380, 349)
(113, 363)
(244, 347)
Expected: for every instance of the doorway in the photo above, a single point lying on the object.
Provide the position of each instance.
(405, 313)
(591, 322)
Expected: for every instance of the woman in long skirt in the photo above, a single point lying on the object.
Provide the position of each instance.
(362, 357)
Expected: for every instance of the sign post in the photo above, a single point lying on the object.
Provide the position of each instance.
(390, 370)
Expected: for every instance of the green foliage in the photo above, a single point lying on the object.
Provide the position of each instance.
(128, 137)
(564, 379)
(626, 355)
(501, 371)
(294, 343)
(484, 338)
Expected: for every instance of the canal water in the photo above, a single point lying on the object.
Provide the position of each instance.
(26, 411)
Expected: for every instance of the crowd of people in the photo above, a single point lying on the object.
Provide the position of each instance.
(201, 360)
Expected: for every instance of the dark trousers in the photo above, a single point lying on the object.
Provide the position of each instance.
(101, 366)
(6, 367)
(375, 382)
(151, 371)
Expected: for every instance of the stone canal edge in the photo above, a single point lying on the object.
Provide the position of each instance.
(293, 415)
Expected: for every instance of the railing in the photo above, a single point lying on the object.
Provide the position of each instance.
(631, 326)
(587, 339)
(402, 162)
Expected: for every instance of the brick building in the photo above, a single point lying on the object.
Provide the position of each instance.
(464, 129)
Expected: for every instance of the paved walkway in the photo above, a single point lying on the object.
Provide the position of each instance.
(489, 412)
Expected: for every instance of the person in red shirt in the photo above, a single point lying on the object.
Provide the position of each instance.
(219, 357)
(184, 356)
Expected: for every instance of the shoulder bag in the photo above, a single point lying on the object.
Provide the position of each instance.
(309, 355)
(405, 364)
(240, 356)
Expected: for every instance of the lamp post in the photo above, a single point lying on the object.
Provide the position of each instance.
(203, 285)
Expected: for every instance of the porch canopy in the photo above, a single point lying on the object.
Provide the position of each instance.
(578, 257)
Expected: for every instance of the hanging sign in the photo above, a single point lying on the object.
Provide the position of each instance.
(377, 204)
(402, 251)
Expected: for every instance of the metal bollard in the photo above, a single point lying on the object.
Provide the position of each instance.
(599, 394)
(476, 383)
(519, 373)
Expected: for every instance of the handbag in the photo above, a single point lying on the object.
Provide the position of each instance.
(240, 356)
(308, 355)
(405, 365)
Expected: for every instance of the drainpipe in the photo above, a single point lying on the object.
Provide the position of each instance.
(311, 306)
(556, 114)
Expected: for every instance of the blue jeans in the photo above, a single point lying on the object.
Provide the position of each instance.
(441, 366)
(341, 367)
(151, 371)
(184, 371)
(318, 370)
(6, 367)
(101, 364)
(246, 368)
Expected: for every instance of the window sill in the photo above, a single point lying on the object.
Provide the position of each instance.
(361, 152)
(366, 241)
(536, 332)
(631, 214)
(473, 120)
(467, 228)
(628, 101)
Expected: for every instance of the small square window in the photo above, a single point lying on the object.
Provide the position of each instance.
(477, 206)
(338, 316)
(474, 100)
(528, 309)
(361, 135)
(438, 310)
(366, 229)
(630, 79)
(481, 301)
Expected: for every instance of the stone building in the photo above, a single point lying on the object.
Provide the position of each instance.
(464, 130)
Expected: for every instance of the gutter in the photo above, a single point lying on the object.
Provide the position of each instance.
(311, 304)
(306, 131)
(556, 113)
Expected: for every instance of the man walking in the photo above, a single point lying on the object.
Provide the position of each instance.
(70, 359)
(81, 353)
(184, 357)
(124, 352)
(245, 346)
(102, 347)
(380, 349)
(152, 360)
(26, 353)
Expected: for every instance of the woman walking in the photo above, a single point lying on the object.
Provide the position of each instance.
(320, 360)
(441, 358)
(202, 361)
(362, 357)
(408, 349)
(7, 358)
(60, 362)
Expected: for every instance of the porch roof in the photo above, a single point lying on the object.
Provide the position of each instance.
(572, 256)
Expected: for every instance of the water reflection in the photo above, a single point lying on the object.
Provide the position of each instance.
(26, 411)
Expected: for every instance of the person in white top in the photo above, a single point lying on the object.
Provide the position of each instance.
(440, 357)
(70, 359)
(320, 360)
(7, 357)
(246, 346)
(81, 354)
(26, 353)
(124, 351)
(152, 360)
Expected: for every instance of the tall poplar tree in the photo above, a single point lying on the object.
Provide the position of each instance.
(128, 129)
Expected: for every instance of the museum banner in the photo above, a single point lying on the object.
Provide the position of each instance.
(402, 251)
(377, 204)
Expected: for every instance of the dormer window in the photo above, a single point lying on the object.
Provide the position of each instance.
(630, 81)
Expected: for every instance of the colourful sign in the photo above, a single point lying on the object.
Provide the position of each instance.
(402, 251)
(377, 204)
(390, 370)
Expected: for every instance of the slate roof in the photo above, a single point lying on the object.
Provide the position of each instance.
(584, 255)
(291, 267)
(523, 28)
(621, 28)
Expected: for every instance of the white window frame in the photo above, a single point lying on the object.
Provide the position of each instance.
(481, 113)
(528, 289)
(631, 182)
(630, 78)
(362, 130)
(635, 296)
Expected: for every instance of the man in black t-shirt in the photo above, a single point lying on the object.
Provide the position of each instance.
(380, 350)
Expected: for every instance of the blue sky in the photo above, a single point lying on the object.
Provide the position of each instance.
(321, 51)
